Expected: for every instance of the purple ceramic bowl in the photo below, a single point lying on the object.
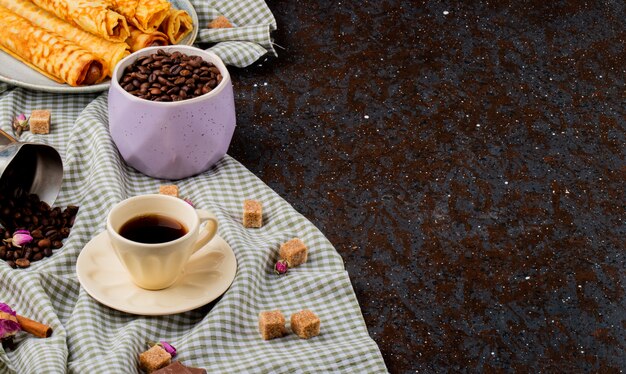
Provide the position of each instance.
(172, 140)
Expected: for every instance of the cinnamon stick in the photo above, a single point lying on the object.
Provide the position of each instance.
(33, 327)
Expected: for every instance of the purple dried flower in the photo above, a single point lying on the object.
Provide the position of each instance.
(168, 347)
(281, 267)
(8, 322)
(20, 124)
(7, 309)
(188, 201)
(20, 237)
(20, 120)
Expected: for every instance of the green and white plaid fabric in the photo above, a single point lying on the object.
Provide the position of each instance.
(222, 336)
(248, 40)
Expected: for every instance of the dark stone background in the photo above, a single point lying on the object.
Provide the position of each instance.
(469, 167)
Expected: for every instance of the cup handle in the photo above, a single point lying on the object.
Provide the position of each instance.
(209, 230)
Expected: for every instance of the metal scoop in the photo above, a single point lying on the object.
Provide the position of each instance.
(29, 168)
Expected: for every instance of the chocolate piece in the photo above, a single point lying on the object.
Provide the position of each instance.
(178, 368)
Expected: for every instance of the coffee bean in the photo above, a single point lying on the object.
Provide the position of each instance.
(22, 262)
(36, 234)
(37, 256)
(47, 252)
(44, 243)
(65, 232)
(3, 252)
(57, 244)
(11, 263)
(164, 81)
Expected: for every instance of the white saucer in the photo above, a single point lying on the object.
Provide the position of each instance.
(208, 275)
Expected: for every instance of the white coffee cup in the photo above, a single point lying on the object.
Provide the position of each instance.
(157, 266)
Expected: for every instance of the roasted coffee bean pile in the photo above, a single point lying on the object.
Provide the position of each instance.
(48, 227)
(165, 76)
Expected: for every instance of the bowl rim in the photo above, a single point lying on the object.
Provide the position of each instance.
(207, 55)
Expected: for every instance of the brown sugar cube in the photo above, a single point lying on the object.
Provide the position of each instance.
(272, 324)
(220, 22)
(154, 358)
(39, 121)
(169, 189)
(252, 213)
(305, 324)
(294, 252)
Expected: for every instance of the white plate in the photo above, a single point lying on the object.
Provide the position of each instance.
(15, 72)
(208, 274)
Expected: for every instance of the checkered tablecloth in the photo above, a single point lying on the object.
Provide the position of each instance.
(222, 336)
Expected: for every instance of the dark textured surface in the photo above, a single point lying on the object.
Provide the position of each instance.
(467, 161)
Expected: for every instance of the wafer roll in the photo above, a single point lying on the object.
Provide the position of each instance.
(110, 52)
(176, 25)
(47, 52)
(146, 15)
(139, 39)
(94, 16)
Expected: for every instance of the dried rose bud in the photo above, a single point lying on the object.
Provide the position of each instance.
(20, 121)
(168, 347)
(8, 322)
(189, 202)
(281, 267)
(20, 237)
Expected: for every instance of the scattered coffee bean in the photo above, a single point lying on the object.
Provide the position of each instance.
(22, 263)
(11, 263)
(165, 76)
